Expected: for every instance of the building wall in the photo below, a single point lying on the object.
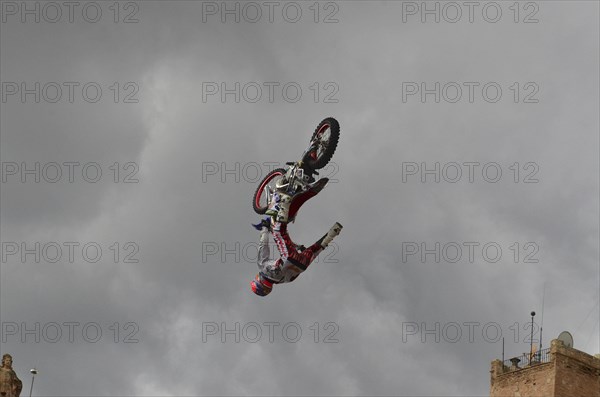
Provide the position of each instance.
(569, 373)
(536, 381)
(577, 373)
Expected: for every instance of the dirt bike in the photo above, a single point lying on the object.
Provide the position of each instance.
(296, 179)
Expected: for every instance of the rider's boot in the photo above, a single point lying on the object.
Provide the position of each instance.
(334, 231)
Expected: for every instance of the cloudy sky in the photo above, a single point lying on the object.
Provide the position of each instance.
(133, 135)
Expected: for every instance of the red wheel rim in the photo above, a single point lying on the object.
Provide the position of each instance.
(323, 128)
(262, 187)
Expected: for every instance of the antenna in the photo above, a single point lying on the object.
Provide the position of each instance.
(531, 338)
(542, 322)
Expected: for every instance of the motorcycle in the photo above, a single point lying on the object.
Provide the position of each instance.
(296, 180)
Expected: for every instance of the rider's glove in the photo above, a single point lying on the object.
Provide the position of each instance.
(266, 222)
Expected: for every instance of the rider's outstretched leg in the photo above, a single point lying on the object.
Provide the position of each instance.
(311, 252)
(289, 250)
(327, 238)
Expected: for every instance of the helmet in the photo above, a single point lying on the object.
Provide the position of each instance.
(261, 286)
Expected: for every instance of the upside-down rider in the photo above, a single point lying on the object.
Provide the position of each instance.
(294, 259)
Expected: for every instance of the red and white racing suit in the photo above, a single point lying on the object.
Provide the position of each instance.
(291, 262)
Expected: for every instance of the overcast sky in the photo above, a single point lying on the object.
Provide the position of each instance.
(183, 109)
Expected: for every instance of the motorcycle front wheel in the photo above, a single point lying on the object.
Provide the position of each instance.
(260, 201)
(327, 135)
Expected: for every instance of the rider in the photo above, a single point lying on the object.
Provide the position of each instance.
(294, 259)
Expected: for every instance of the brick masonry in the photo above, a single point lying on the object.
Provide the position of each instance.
(569, 373)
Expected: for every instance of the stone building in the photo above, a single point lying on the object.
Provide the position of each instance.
(559, 371)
